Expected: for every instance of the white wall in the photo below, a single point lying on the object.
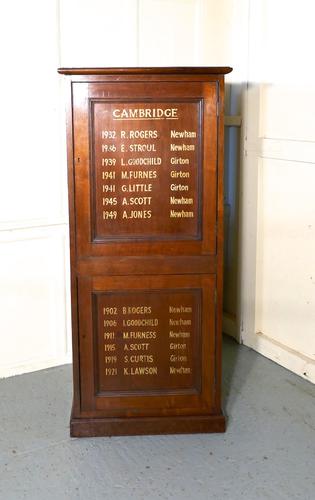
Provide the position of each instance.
(33, 220)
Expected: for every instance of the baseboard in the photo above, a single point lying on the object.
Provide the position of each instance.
(291, 359)
(33, 366)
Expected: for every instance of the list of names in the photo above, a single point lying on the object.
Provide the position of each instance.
(146, 164)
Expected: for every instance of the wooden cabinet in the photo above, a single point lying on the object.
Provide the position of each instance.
(145, 163)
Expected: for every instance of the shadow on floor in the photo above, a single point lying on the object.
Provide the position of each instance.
(235, 370)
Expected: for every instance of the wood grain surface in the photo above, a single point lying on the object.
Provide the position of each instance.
(145, 177)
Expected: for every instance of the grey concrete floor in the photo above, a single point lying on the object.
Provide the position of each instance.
(268, 451)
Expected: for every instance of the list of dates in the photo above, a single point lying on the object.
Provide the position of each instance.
(148, 341)
(146, 169)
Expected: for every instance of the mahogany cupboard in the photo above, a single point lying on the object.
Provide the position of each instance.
(145, 164)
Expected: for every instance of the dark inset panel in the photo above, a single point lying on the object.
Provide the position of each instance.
(146, 169)
(148, 340)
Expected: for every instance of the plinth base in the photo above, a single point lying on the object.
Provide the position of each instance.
(92, 427)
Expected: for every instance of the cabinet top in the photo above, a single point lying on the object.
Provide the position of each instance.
(186, 70)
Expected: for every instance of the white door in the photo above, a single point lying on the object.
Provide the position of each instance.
(278, 186)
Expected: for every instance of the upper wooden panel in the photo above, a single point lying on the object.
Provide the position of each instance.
(216, 70)
(145, 167)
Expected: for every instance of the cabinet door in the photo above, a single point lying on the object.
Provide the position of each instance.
(145, 163)
(147, 346)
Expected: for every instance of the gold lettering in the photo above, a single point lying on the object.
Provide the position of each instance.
(142, 148)
(178, 359)
(141, 322)
(181, 370)
(139, 335)
(138, 174)
(180, 309)
(139, 162)
(139, 358)
(178, 346)
(141, 370)
(180, 173)
(185, 134)
(136, 188)
(179, 322)
(179, 161)
(145, 114)
(179, 187)
(109, 347)
(110, 322)
(137, 347)
(180, 335)
(143, 134)
(181, 214)
(109, 335)
(181, 201)
(137, 214)
(182, 147)
(110, 359)
(111, 371)
(136, 309)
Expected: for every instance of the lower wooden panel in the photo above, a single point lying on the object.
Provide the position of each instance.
(92, 427)
(147, 346)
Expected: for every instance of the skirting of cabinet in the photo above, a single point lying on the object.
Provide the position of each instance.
(93, 427)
